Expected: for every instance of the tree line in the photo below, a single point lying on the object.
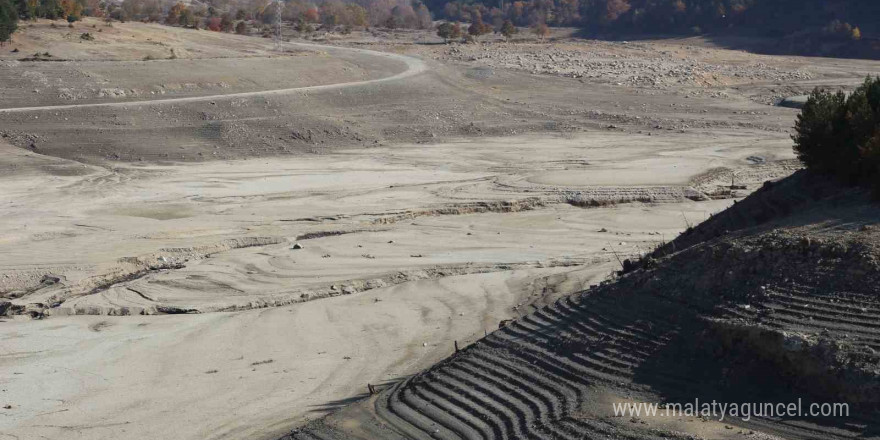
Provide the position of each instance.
(768, 17)
(225, 15)
(804, 22)
(839, 134)
(11, 11)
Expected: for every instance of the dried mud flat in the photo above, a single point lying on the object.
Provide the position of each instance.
(236, 258)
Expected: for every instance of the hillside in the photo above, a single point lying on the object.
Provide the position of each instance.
(773, 300)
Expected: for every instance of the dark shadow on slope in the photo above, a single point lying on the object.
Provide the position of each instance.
(724, 370)
(814, 198)
(334, 405)
(807, 43)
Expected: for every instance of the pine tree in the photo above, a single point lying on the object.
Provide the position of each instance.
(8, 20)
(444, 31)
(27, 9)
(508, 29)
(50, 9)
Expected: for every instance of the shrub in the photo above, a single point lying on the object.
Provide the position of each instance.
(214, 24)
(449, 31)
(840, 135)
(541, 30)
(444, 30)
(226, 23)
(842, 31)
(241, 28)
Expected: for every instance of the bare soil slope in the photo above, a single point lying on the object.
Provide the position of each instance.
(780, 309)
(650, 88)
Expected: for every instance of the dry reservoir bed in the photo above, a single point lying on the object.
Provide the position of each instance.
(405, 248)
(237, 297)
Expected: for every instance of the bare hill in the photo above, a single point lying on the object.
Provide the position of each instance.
(773, 300)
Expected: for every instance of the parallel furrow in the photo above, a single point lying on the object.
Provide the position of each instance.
(515, 415)
(406, 420)
(455, 407)
(516, 392)
(560, 395)
(416, 402)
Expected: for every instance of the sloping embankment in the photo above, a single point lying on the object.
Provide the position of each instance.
(772, 301)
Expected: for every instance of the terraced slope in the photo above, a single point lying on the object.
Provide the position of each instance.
(783, 308)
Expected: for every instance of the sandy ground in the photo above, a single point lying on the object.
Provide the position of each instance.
(431, 196)
(422, 277)
(103, 225)
(249, 374)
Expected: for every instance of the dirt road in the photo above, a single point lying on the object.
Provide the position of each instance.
(412, 66)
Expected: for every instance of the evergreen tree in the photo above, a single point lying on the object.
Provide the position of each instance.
(444, 31)
(508, 29)
(8, 20)
(50, 9)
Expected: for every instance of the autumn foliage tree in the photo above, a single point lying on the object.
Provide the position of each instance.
(615, 8)
(541, 30)
(213, 24)
(478, 27)
(842, 31)
(226, 23)
(71, 10)
(174, 13)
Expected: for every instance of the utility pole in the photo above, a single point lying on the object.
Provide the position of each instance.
(279, 43)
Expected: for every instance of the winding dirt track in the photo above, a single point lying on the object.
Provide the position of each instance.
(414, 66)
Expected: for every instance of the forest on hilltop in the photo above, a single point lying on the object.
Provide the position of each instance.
(826, 27)
(770, 17)
(802, 26)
